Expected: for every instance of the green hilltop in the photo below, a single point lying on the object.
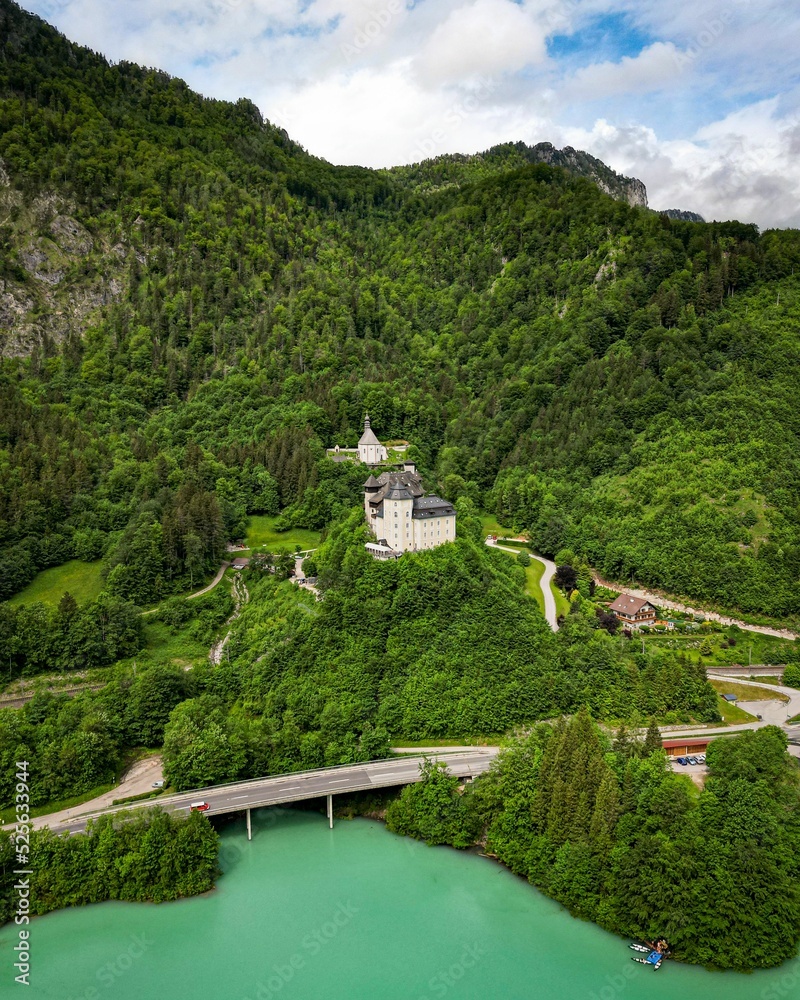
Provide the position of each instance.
(193, 307)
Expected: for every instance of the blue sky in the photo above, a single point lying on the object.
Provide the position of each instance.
(699, 99)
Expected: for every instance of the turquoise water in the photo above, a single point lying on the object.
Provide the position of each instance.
(304, 912)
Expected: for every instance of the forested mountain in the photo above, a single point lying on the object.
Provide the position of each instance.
(193, 307)
(455, 169)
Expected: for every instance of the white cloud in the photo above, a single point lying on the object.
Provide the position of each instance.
(387, 81)
(652, 69)
(380, 118)
(481, 39)
(743, 166)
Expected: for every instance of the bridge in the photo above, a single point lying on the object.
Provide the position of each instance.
(255, 793)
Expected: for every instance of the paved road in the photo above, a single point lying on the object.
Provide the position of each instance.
(300, 785)
(547, 591)
(754, 670)
(214, 582)
(137, 779)
(300, 575)
(773, 712)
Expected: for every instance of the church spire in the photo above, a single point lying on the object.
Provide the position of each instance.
(367, 424)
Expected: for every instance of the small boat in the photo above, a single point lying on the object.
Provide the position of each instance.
(654, 958)
(650, 954)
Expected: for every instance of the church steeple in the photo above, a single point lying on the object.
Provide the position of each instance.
(370, 450)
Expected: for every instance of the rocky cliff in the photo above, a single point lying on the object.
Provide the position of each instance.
(54, 273)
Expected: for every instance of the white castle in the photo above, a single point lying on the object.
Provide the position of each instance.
(402, 518)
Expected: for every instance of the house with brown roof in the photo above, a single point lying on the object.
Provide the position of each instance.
(633, 612)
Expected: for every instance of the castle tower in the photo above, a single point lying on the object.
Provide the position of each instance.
(398, 508)
(371, 487)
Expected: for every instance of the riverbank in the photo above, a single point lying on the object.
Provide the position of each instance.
(357, 912)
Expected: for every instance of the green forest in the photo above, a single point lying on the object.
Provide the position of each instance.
(195, 308)
(444, 644)
(609, 831)
(150, 857)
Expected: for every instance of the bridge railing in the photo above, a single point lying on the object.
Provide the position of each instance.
(325, 770)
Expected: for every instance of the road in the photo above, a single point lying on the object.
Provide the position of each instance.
(772, 712)
(299, 574)
(214, 582)
(547, 591)
(295, 787)
(661, 601)
(137, 779)
(734, 671)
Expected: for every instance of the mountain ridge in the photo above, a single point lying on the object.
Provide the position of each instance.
(616, 383)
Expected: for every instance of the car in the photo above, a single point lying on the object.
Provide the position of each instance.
(158, 784)
(693, 760)
(200, 807)
(683, 760)
(701, 758)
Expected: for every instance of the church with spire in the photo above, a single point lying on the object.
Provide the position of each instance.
(399, 514)
(370, 450)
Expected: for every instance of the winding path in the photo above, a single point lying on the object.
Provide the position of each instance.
(663, 602)
(300, 575)
(550, 612)
(214, 582)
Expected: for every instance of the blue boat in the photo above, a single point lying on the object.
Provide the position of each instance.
(651, 954)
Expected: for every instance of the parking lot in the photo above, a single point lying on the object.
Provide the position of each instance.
(697, 772)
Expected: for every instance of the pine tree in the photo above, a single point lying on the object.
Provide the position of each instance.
(623, 744)
(652, 740)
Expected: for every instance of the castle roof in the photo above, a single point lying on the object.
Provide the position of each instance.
(399, 491)
(432, 506)
(387, 481)
(372, 483)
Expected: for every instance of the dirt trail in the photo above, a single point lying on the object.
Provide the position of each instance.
(241, 596)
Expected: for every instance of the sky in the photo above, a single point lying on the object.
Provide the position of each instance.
(698, 99)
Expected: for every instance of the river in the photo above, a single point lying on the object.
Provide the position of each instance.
(304, 913)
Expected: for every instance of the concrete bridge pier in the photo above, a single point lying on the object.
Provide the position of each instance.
(249, 827)
(330, 811)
